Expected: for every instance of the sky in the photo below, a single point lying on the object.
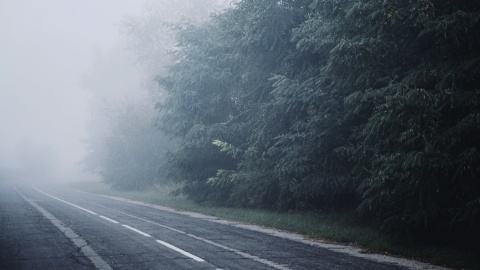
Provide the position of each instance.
(45, 47)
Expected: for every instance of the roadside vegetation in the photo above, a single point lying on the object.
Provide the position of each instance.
(331, 227)
(364, 113)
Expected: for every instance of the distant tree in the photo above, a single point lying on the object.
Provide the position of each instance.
(110, 79)
(124, 145)
(151, 35)
(131, 154)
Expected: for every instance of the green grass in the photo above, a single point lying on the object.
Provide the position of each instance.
(331, 227)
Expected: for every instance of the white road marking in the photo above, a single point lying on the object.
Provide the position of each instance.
(190, 255)
(198, 259)
(238, 252)
(338, 248)
(76, 239)
(109, 219)
(81, 208)
(137, 231)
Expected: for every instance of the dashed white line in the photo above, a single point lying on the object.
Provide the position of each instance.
(137, 231)
(238, 252)
(179, 250)
(190, 255)
(109, 219)
(81, 208)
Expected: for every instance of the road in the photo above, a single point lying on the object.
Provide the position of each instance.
(59, 228)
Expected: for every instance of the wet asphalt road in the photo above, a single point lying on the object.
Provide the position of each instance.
(60, 228)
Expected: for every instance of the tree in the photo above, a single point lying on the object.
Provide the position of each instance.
(364, 104)
(417, 155)
(131, 154)
(219, 89)
(124, 145)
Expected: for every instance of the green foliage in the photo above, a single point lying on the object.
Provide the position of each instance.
(220, 83)
(196, 110)
(360, 104)
(417, 155)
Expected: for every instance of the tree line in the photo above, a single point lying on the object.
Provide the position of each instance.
(365, 105)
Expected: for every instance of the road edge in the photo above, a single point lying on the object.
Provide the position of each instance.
(340, 248)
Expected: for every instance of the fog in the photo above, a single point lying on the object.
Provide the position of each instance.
(47, 51)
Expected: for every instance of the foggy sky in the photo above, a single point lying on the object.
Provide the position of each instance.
(45, 47)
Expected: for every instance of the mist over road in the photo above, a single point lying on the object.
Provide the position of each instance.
(60, 228)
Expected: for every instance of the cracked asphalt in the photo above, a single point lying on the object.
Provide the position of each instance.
(39, 226)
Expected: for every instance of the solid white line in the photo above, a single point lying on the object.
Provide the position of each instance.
(81, 208)
(75, 238)
(109, 219)
(137, 231)
(190, 255)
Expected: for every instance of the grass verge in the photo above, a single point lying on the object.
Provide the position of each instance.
(330, 227)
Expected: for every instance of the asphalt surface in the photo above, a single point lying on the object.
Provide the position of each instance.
(44, 227)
